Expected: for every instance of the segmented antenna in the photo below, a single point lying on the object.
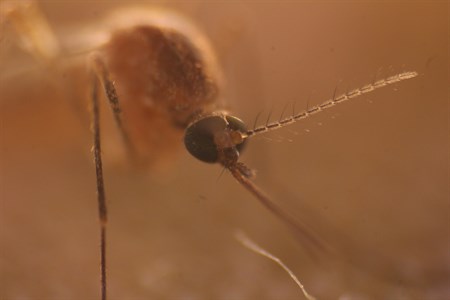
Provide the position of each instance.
(330, 103)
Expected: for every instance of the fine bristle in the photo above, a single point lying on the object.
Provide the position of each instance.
(248, 243)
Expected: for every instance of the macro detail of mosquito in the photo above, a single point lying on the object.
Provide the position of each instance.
(163, 84)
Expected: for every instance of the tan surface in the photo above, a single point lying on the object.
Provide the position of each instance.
(376, 169)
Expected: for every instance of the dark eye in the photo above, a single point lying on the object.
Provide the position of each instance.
(199, 137)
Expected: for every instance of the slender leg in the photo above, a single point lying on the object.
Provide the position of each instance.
(100, 74)
(95, 123)
(111, 94)
(33, 29)
(30, 30)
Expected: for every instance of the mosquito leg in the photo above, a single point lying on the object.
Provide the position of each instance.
(29, 28)
(111, 94)
(99, 75)
(33, 31)
(95, 123)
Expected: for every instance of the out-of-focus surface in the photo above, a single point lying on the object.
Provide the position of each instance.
(370, 176)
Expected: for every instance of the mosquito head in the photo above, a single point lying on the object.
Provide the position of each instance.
(216, 139)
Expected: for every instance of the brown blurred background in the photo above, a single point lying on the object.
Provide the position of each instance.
(370, 176)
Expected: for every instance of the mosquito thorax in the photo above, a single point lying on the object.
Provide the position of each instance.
(217, 138)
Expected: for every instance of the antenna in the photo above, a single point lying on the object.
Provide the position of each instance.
(330, 103)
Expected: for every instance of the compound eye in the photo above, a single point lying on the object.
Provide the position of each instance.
(199, 137)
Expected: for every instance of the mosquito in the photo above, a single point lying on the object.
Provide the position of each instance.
(157, 70)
